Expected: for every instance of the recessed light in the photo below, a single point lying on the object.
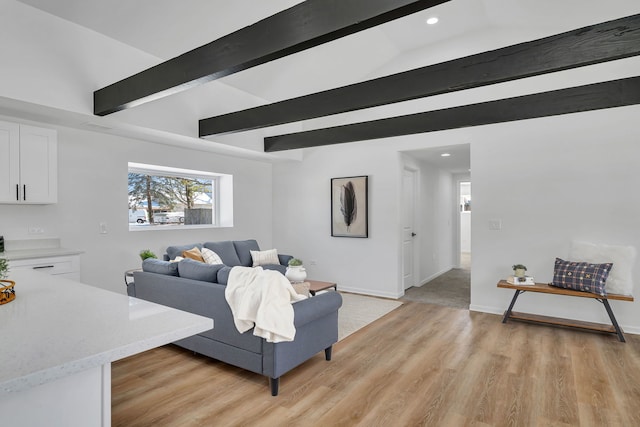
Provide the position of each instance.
(445, 155)
(432, 20)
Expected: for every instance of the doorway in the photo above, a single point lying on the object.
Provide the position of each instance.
(464, 192)
(442, 211)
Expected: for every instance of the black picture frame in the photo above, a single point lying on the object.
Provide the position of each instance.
(350, 206)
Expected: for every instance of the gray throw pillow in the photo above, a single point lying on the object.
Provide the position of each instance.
(152, 265)
(243, 249)
(196, 270)
(226, 251)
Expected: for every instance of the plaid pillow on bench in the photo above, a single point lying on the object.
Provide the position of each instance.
(581, 276)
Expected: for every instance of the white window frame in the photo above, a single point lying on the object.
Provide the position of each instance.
(222, 195)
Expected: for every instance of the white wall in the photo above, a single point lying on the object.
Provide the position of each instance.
(302, 218)
(548, 180)
(302, 212)
(437, 200)
(551, 181)
(93, 189)
(465, 231)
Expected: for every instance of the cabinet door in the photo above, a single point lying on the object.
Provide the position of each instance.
(38, 165)
(9, 162)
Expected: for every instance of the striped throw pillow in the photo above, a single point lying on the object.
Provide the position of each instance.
(265, 257)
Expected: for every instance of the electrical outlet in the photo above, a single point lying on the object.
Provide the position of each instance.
(36, 230)
(103, 228)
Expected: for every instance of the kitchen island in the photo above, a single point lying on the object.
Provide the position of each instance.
(58, 340)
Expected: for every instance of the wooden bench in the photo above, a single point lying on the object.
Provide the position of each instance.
(614, 328)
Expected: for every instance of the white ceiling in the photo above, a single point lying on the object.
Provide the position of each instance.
(166, 28)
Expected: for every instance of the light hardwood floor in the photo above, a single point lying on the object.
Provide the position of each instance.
(421, 364)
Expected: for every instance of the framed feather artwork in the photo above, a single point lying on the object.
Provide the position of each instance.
(349, 207)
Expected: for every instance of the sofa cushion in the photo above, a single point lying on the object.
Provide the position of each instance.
(210, 257)
(196, 270)
(193, 253)
(152, 265)
(226, 251)
(264, 257)
(581, 276)
(174, 251)
(243, 249)
(223, 275)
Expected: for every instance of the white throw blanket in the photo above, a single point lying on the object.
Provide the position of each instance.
(262, 298)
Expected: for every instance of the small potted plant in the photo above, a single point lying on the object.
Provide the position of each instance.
(295, 262)
(4, 268)
(295, 272)
(519, 270)
(147, 253)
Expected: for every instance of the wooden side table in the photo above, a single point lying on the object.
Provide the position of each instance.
(317, 286)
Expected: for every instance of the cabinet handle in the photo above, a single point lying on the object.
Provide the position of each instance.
(43, 266)
(24, 192)
(17, 192)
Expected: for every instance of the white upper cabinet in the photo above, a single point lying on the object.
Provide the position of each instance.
(28, 164)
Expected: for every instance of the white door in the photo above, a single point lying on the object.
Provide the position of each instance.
(408, 227)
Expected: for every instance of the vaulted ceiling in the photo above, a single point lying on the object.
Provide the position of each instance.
(162, 29)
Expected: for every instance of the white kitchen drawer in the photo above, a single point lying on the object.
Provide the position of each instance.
(67, 265)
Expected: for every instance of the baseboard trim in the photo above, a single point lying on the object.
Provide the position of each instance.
(486, 309)
(368, 292)
(434, 276)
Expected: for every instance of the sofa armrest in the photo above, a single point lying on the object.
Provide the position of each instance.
(310, 309)
(284, 259)
(194, 296)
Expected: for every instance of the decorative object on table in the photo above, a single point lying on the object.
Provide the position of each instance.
(147, 253)
(1, 244)
(349, 207)
(519, 270)
(295, 271)
(7, 293)
(525, 280)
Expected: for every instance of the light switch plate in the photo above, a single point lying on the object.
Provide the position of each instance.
(495, 224)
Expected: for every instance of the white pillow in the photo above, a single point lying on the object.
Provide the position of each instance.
(210, 257)
(620, 280)
(265, 257)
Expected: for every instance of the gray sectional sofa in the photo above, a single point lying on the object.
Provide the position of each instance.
(200, 288)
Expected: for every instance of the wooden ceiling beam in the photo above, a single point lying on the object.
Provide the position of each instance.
(607, 41)
(610, 94)
(303, 26)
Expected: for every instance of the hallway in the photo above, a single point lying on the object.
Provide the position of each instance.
(451, 289)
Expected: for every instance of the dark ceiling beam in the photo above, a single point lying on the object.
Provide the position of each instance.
(590, 45)
(300, 27)
(615, 93)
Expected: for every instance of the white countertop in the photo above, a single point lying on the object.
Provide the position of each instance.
(35, 248)
(56, 327)
(37, 253)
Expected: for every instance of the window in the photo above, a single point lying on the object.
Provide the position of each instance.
(164, 197)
